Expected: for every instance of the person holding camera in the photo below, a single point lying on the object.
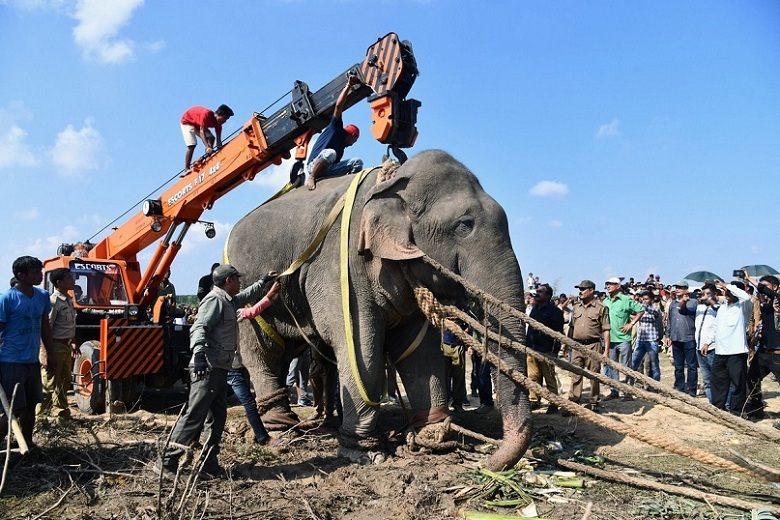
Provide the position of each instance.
(767, 357)
(680, 335)
(704, 325)
(729, 368)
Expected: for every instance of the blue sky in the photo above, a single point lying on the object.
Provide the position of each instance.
(622, 138)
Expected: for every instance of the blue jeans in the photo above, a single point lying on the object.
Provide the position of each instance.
(619, 352)
(684, 358)
(484, 382)
(239, 381)
(333, 168)
(651, 349)
(705, 364)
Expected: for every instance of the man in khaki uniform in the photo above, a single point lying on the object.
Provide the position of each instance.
(63, 327)
(589, 326)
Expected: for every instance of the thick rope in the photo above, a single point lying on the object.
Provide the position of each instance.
(667, 488)
(437, 313)
(697, 408)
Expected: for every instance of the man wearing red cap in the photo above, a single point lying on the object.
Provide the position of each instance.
(325, 157)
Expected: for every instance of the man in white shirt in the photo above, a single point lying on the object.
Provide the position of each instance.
(731, 347)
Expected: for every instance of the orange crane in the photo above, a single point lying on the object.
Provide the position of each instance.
(121, 329)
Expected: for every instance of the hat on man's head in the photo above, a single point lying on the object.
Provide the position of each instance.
(614, 279)
(585, 284)
(352, 130)
(681, 283)
(221, 273)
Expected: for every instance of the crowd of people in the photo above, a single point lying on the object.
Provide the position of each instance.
(722, 337)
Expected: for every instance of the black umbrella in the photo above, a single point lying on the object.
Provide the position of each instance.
(702, 276)
(760, 270)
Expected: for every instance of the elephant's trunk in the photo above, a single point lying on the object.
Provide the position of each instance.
(512, 399)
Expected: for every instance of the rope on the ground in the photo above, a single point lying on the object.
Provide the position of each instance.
(702, 410)
(433, 437)
(667, 488)
(437, 314)
(266, 402)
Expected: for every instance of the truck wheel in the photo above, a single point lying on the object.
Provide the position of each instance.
(88, 387)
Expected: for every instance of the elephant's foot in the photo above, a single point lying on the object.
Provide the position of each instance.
(361, 457)
(429, 416)
(434, 437)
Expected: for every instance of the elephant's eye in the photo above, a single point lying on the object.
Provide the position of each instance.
(465, 226)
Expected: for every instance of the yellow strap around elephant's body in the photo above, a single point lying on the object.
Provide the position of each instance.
(344, 262)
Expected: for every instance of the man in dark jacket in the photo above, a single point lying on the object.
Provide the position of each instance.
(546, 313)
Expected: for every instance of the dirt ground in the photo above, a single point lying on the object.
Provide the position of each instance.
(99, 468)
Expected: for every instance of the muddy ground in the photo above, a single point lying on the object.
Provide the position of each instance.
(99, 467)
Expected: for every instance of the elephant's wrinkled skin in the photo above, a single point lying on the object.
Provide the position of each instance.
(433, 205)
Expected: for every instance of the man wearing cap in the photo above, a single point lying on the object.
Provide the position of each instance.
(213, 340)
(681, 335)
(624, 313)
(325, 157)
(590, 327)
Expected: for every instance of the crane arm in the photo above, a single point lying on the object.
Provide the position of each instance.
(387, 74)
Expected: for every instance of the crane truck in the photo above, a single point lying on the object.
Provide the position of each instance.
(121, 327)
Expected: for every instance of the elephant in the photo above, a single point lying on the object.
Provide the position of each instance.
(432, 205)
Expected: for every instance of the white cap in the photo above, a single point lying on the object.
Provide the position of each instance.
(614, 279)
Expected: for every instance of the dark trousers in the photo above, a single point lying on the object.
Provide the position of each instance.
(726, 371)
(763, 363)
(484, 382)
(207, 404)
(684, 358)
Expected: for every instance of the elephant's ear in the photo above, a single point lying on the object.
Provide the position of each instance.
(385, 227)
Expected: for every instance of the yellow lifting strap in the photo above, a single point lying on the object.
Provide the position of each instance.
(344, 262)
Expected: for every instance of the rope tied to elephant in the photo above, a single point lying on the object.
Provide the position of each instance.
(437, 313)
(678, 401)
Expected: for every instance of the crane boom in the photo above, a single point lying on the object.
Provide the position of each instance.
(387, 73)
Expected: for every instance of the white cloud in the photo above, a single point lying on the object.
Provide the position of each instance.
(555, 223)
(28, 214)
(610, 129)
(275, 176)
(76, 151)
(556, 190)
(99, 24)
(47, 247)
(14, 151)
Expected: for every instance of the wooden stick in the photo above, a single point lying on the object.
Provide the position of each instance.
(23, 448)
